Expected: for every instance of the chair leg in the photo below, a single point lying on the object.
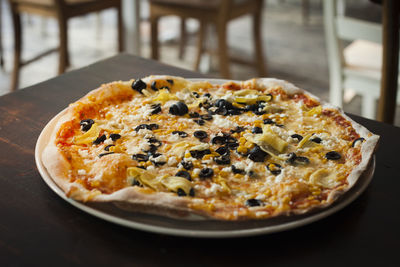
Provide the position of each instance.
(200, 45)
(154, 36)
(120, 29)
(63, 48)
(368, 107)
(182, 41)
(16, 18)
(1, 39)
(305, 11)
(223, 49)
(258, 43)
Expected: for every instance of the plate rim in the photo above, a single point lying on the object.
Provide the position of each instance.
(41, 142)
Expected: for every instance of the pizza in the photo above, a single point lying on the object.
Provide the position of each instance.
(239, 150)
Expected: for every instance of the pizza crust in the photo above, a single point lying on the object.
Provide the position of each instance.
(160, 203)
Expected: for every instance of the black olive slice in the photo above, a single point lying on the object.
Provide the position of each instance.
(294, 159)
(230, 139)
(291, 158)
(184, 174)
(223, 104)
(179, 108)
(194, 115)
(269, 121)
(260, 112)
(152, 126)
(257, 130)
(361, 139)
(252, 107)
(253, 202)
(107, 148)
(86, 124)
(187, 165)
(154, 86)
(232, 145)
(236, 170)
(180, 133)
(170, 81)
(115, 137)
(238, 129)
(223, 160)
(206, 117)
(157, 163)
(200, 122)
(180, 192)
(104, 154)
(156, 109)
(208, 95)
(191, 192)
(154, 141)
(139, 85)
(297, 136)
(100, 139)
(256, 154)
(271, 97)
(198, 154)
(220, 103)
(140, 157)
(141, 126)
(316, 140)
(206, 173)
(223, 150)
(221, 111)
(235, 111)
(200, 134)
(219, 140)
(152, 149)
(333, 155)
(136, 182)
(205, 105)
(274, 168)
(196, 95)
(302, 160)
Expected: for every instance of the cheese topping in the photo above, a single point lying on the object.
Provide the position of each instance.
(254, 152)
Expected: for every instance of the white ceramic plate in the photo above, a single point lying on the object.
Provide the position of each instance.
(203, 228)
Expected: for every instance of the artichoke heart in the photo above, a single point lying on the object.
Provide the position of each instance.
(252, 99)
(271, 108)
(164, 96)
(179, 149)
(267, 144)
(245, 92)
(201, 147)
(324, 178)
(173, 183)
(144, 177)
(272, 139)
(304, 140)
(89, 136)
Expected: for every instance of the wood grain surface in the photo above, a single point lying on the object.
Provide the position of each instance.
(38, 228)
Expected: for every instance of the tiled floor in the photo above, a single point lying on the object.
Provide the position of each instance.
(295, 52)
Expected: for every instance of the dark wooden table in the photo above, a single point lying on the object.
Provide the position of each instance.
(38, 228)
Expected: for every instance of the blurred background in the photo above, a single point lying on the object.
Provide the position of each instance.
(293, 42)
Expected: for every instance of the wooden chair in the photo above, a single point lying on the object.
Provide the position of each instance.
(62, 10)
(357, 66)
(218, 13)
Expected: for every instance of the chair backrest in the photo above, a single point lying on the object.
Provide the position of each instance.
(338, 26)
